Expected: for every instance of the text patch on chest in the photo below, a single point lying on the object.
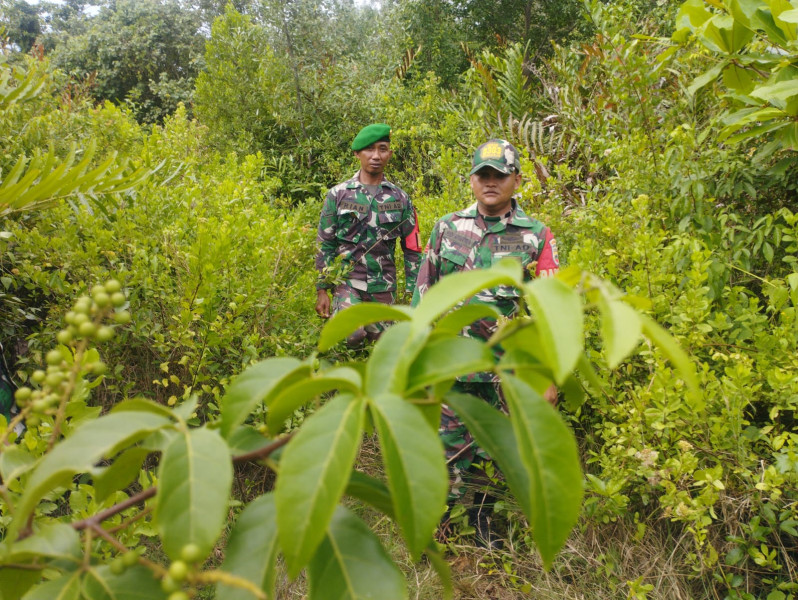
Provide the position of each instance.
(459, 240)
(512, 242)
(386, 206)
(354, 206)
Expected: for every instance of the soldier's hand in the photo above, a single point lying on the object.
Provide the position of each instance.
(323, 304)
(550, 395)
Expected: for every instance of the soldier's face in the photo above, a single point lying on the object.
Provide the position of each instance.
(494, 190)
(374, 158)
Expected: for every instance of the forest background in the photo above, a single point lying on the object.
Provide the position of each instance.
(659, 143)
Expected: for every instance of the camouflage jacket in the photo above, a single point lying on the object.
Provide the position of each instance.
(363, 230)
(466, 240)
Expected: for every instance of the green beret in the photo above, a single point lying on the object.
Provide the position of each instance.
(370, 134)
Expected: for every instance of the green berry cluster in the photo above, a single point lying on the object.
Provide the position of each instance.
(84, 324)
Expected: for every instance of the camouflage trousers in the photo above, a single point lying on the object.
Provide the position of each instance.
(463, 456)
(345, 296)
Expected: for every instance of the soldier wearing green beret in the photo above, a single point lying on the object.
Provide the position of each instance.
(361, 220)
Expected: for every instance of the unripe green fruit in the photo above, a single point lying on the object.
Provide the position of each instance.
(117, 566)
(118, 299)
(32, 421)
(64, 336)
(54, 358)
(40, 405)
(87, 329)
(191, 553)
(22, 395)
(54, 379)
(112, 285)
(99, 368)
(169, 585)
(83, 305)
(102, 299)
(178, 571)
(179, 596)
(97, 290)
(80, 319)
(69, 318)
(104, 333)
(122, 317)
(130, 558)
(38, 376)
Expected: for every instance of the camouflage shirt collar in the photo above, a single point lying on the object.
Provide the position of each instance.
(517, 215)
(355, 183)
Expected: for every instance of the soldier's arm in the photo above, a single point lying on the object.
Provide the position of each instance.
(429, 272)
(326, 241)
(548, 258)
(411, 249)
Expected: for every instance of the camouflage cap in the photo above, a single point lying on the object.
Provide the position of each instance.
(370, 134)
(497, 154)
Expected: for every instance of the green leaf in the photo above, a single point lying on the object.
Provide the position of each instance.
(14, 461)
(66, 587)
(738, 79)
(52, 540)
(351, 564)
(778, 94)
(446, 358)
(463, 316)
(558, 311)
(87, 445)
(692, 14)
(620, 329)
(136, 583)
(548, 449)
(371, 491)
(252, 550)
(460, 286)
(314, 472)
(246, 439)
(142, 405)
(289, 398)
(252, 387)
(15, 582)
(416, 471)
(345, 322)
(387, 369)
(194, 476)
(706, 78)
(122, 472)
(671, 349)
(494, 433)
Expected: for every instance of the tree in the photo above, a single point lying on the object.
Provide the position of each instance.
(145, 53)
(22, 23)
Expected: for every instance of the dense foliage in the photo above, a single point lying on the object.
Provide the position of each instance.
(665, 166)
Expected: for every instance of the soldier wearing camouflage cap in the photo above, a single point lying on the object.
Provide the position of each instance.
(493, 228)
(361, 220)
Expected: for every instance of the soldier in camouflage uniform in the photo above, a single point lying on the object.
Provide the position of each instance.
(492, 228)
(361, 220)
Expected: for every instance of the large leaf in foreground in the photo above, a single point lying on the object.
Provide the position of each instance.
(351, 564)
(671, 349)
(66, 587)
(345, 322)
(558, 310)
(89, 444)
(494, 433)
(460, 286)
(387, 369)
(194, 484)
(447, 357)
(620, 329)
(57, 541)
(314, 471)
(415, 466)
(253, 386)
(136, 583)
(252, 550)
(548, 449)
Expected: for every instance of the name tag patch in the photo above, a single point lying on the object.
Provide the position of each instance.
(511, 242)
(386, 206)
(458, 240)
(354, 206)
